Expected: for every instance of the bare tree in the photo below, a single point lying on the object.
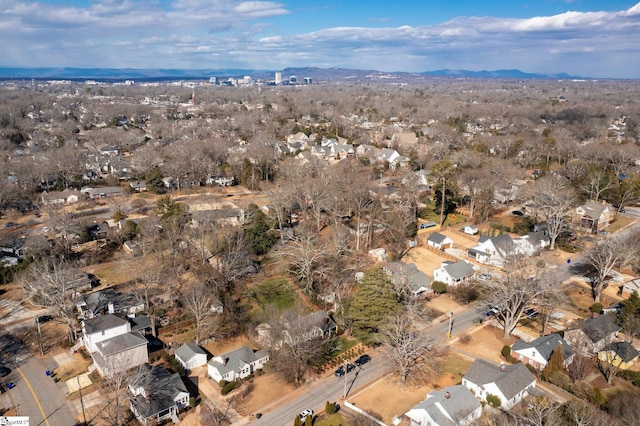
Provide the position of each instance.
(553, 202)
(50, 284)
(304, 256)
(409, 348)
(513, 292)
(603, 258)
(540, 411)
(116, 411)
(597, 182)
(198, 299)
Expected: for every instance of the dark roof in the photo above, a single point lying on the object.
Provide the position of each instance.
(103, 322)
(160, 388)
(437, 238)
(624, 350)
(545, 345)
(596, 329)
(140, 322)
(510, 379)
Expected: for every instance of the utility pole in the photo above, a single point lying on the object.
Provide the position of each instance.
(442, 204)
(344, 393)
(39, 337)
(450, 315)
(84, 417)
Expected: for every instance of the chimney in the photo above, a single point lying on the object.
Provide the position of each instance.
(111, 309)
(447, 395)
(503, 367)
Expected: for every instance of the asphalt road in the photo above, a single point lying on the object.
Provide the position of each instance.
(331, 388)
(35, 395)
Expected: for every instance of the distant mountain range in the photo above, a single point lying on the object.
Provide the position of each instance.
(317, 74)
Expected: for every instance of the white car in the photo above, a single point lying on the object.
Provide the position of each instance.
(306, 413)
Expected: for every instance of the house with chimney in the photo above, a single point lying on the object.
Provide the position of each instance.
(537, 353)
(449, 406)
(510, 383)
(237, 364)
(593, 216)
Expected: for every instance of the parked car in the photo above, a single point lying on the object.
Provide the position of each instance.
(340, 370)
(517, 213)
(305, 413)
(619, 208)
(484, 277)
(530, 313)
(4, 371)
(362, 359)
(9, 225)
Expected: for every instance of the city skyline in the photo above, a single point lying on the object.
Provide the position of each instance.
(591, 38)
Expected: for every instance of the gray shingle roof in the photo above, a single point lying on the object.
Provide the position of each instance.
(459, 270)
(161, 388)
(437, 238)
(596, 329)
(236, 359)
(103, 322)
(545, 345)
(510, 379)
(121, 343)
(457, 401)
(624, 350)
(188, 351)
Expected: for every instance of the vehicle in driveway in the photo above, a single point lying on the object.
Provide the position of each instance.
(484, 277)
(340, 371)
(517, 213)
(530, 313)
(362, 359)
(305, 413)
(4, 371)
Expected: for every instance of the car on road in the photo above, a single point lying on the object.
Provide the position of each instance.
(305, 413)
(9, 225)
(340, 370)
(362, 359)
(494, 310)
(4, 371)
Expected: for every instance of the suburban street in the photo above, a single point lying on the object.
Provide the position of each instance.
(35, 395)
(316, 394)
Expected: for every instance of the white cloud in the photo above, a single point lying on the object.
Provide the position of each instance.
(203, 33)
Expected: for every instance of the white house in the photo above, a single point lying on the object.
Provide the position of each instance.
(101, 328)
(538, 352)
(439, 241)
(191, 356)
(493, 250)
(510, 383)
(450, 406)
(236, 364)
(120, 353)
(454, 273)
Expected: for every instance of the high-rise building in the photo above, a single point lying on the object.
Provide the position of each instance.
(293, 79)
(278, 78)
(308, 80)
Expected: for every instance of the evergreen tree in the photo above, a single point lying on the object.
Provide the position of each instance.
(373, 302)
(259, 232)
(154, 181)
(629, 315)
(555, 364)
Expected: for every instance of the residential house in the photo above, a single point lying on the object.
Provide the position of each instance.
(12, 251)
(449, 406)
(407, 278)
(221, 180)
(593, 216)
(99, 230)
(157, 395)
(629, 287)
(236, 364)
(103, 327)
(470, 229)
(297, 328)
(454, 273)
(60, 197)
(538, 352)
(592, 335)
(107, 301)
(191, 356)
(138, 185)
(405, 140)
(510, 383)
(493, 250)
(439, 241)
(531, 243)
(620, 354)
(120, 353)
(103, 192)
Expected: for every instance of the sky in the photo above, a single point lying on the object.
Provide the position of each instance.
(590, 38)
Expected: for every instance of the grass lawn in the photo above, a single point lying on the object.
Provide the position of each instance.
(619, 223)
(333, 420)
(275, 293)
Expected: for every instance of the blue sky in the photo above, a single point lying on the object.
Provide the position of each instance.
(594, 38)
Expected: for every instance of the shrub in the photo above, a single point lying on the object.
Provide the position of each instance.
(493, 400)
(439, 287)
(329, 408)
(465, 338)
(596, 308)
(222, 383)
(506, 351)
(228, 388)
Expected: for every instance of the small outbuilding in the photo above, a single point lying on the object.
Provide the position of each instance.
(191, 356)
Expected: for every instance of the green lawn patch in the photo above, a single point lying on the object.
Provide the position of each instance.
(275, 293)
(333, 420)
